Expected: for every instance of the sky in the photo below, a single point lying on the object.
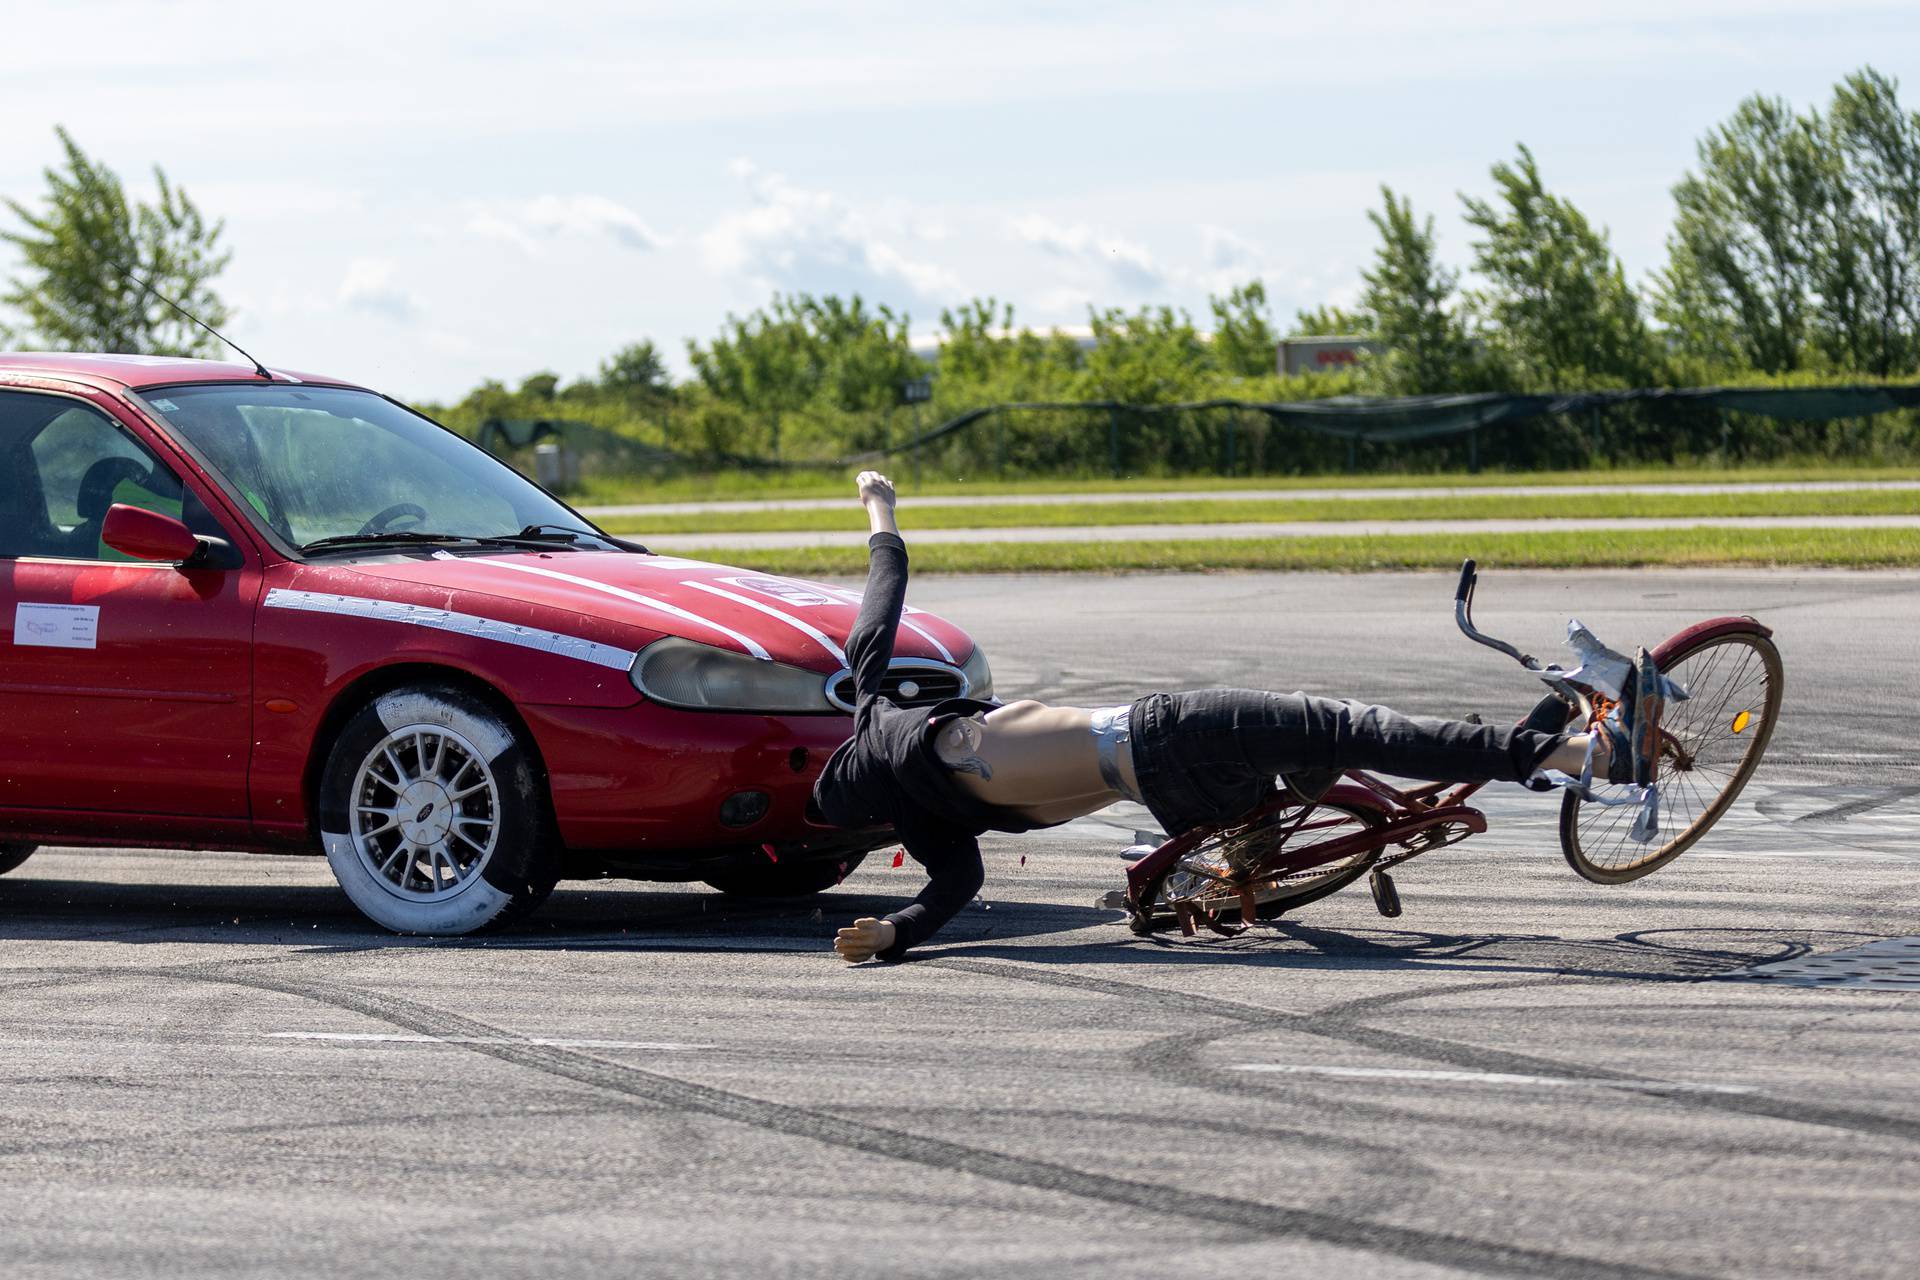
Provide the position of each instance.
(418, 201)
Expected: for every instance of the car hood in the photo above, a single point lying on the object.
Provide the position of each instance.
(646, 597)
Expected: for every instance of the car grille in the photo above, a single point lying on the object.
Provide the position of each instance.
(930, 683)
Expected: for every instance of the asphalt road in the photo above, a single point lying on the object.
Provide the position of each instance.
(857, 537)
(214, 1068)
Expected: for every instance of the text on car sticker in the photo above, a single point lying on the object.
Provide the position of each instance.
(792, 593)
(57, 626)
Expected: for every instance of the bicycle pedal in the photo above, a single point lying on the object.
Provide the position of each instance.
(1386, 896)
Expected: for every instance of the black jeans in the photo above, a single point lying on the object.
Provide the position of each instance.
(1205, 758)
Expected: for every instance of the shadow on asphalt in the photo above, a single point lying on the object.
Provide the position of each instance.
(604, 915)
(1672, 954)
(639, 916)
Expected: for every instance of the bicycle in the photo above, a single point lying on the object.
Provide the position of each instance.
(1298, 846)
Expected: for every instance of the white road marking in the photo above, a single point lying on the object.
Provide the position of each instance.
(1369, 494)
(773, 539)
(376, 1037)
(1485, 1077)
(746, 642)
(1848, 854)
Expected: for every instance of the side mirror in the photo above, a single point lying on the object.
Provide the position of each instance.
(148, 535)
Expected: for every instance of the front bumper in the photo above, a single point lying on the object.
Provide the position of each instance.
(646, 783)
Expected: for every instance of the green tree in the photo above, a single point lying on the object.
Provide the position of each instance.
(1244, 344)
(83, 250)
(1740, 280)
(803, 352)
(1409, 302)
(1154, 356)
(976, 339)
(1866, 263)
(540, 386)
(636, 371)
(1331, 322)
(1562, 312)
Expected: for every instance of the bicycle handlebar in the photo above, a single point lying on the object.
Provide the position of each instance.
(1468, 572)
(1463, 617)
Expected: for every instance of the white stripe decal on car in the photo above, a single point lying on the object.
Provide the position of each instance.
(466, 624)
(854, 598)
(797, 624)
(926, 635)
(751, 645)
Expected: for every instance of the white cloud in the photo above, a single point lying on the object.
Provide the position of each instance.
(1126, 261)
(1223, 250)
(807, 238)
(370, 286)
(526, 223)
(1228, 259)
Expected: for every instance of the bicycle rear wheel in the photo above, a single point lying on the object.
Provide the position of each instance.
(1211, 877)
(1710, 746)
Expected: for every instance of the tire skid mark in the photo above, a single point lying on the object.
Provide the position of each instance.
(1252, 1217)
(1454, 1053)
(1353, 1010)
(1394, 1176)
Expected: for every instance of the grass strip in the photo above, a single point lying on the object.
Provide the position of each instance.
(740, 485)
(1823, 548)
(1223, 510)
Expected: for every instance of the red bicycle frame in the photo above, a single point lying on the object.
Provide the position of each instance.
(1404, 814)
(1419, 818)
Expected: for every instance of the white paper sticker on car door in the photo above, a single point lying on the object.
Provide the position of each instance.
(57, 626)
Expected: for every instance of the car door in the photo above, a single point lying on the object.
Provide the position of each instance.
(125, 687)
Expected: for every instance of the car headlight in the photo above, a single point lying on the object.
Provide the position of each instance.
(979, 675)
(699, 677)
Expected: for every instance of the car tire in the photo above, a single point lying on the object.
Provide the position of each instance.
(12, 855)
(433, 814)
(796, 880)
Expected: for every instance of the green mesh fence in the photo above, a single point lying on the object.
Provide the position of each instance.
(1344, 433)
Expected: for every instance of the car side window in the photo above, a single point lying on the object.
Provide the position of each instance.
(72, 463)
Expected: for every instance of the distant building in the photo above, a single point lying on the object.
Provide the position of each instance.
(1324, 355)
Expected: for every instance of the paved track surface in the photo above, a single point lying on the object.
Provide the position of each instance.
(1249, 495)
(213, 1068)
(1265, 529)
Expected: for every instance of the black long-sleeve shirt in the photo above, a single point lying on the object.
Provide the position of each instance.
(887, 773)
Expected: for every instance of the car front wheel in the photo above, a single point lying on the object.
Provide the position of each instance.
(433, 816)
(12, 855)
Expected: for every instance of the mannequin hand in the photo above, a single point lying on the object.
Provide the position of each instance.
(875, 487)
(864, 939)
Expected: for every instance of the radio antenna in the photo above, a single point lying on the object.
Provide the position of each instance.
(147, 287)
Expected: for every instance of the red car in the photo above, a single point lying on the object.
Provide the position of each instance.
(290, 614)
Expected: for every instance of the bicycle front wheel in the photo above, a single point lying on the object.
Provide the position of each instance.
(1710, 746)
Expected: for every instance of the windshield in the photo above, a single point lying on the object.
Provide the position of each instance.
(321, 462)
